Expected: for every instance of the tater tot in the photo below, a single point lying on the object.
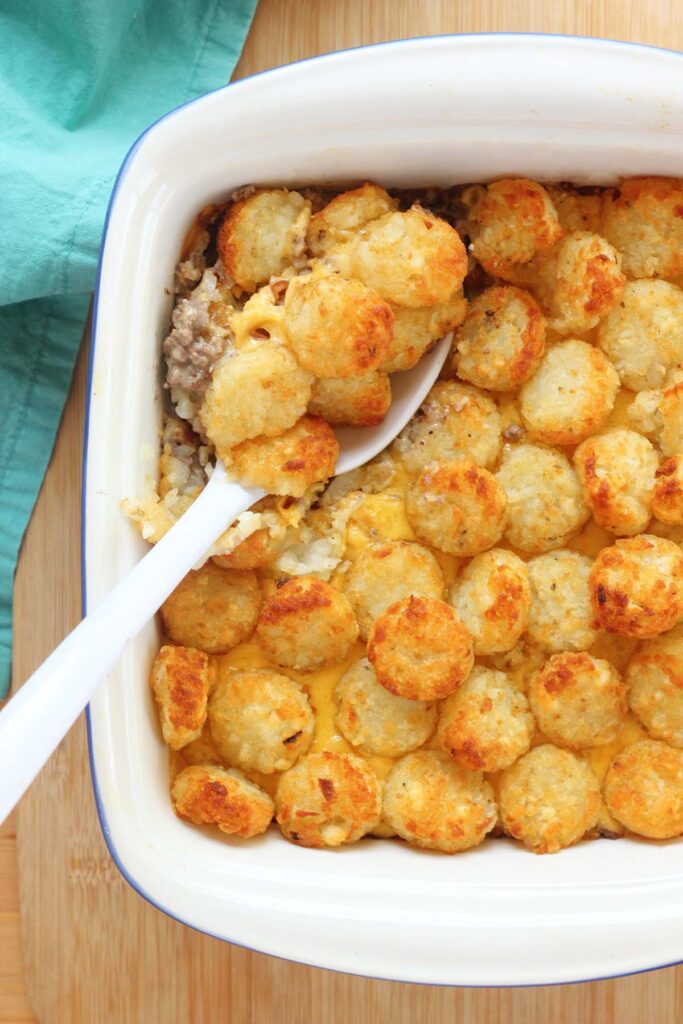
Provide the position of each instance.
(644, 789)
(420, 649)
(328, 799)
(384, 573)
(416, 331)
(263, 234)
(571, 394)
(376, 721)
(180, 683)
(655, 681)
(339, 221)
(512, 222)
(212, 609)
(667, 497)
(546, 505)
(643, 218)
(305, 622)
(579, 209)
(486, 725)
(210, 795)
(457, 507)
(502, 339)
(260, 720)
(261, 390)
(548, 799)
(643, 335)
(492, 597)
(432, 802)
(413, 259)
(335, 327)
(637, 586)
(456, 421)
(354, 401)
(258, 549)
(288, 464)
(582, 281)
(561, 616)
(578, 701)
(617, 471)
(659, 414)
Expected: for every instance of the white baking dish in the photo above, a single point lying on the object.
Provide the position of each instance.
(440, 110)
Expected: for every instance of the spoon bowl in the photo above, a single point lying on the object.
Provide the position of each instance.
(48, 703)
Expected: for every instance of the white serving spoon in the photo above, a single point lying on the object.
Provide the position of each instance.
(48, 703)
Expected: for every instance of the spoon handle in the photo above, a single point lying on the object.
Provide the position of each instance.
(46, 706)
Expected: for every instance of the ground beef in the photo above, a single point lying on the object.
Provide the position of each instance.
(197, 339)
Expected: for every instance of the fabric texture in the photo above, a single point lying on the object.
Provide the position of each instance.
(79, 81)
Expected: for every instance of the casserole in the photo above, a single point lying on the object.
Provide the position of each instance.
(433, 111)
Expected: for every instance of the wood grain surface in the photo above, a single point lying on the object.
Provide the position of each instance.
(77, 946)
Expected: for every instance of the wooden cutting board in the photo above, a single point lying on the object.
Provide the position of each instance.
(93, 951)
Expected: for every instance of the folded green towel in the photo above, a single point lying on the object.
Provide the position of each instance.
(79, 81)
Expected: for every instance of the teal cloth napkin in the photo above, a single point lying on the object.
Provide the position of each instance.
(79, 81)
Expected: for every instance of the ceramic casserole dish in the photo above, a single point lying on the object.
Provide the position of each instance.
(431, 111)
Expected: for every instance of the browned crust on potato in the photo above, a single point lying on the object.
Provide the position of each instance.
(208, 795)
(420, 649)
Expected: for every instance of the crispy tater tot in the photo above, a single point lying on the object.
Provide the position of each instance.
(180, 683)
(643, 335)
(644, 789)
(456, 421)
(259, 391)
(262, 234)
(492, 597)
(548, 799)
(546, 505)
(209, 795)
(655, 681)
(571, 394)
(338, 222)
(643, 218)
(305, 622)
(376, 721)
(328, 799)
(637, 586)
(288, 464)
(581, 282)
(260, 720)
(413, 259)
(335, 327)
(502, 339)
(432, 802)
(486, 724)
(416, 331)
(457, 507)
(387, 572)
(578, 701)
(213, 609)
(617, 471)
(512, 222)
(420, 649)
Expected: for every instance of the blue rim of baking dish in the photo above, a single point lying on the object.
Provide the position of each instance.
(86, 430)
